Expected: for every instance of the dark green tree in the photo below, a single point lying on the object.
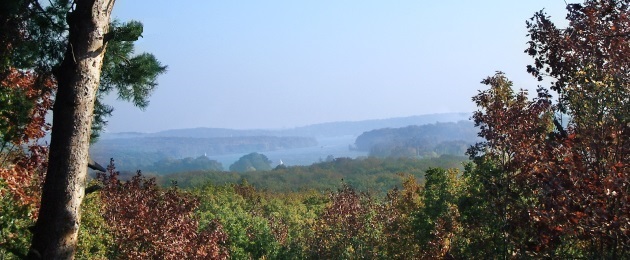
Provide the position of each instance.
(436, 222)
(201, 163)
(251, 162)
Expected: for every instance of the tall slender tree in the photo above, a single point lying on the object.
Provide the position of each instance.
(65, 42)
(78, 78)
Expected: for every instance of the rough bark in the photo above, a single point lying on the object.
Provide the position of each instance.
(55, 233)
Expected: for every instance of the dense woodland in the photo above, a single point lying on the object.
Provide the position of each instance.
(549, 179)
(370, 174)
(429, 140)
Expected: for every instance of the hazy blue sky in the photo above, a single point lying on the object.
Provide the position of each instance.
(281, 64)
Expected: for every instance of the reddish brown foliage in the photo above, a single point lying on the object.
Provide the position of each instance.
(151, 223)
(33, 93)
(581, 184)
(343, 228)
(585, 178)
(23, 124)
(597, 37)
(516, 133)
(578, 171)
(513, 127)
(24, 178)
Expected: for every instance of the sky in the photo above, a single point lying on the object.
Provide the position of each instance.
(281, 64)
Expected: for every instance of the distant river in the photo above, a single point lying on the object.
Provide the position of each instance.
(335, 146)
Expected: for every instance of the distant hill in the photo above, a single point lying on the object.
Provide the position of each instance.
(419, 140)
(357, 127)
(204, 132)
(332, 129)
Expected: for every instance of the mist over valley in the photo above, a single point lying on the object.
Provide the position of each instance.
(218, 148)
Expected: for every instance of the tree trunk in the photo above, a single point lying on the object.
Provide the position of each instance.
(78, 76)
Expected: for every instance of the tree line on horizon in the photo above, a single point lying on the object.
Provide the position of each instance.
(407, 142)
(419, 141)
(151, 152)
(170, 153)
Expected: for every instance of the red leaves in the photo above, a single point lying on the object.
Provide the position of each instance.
(29, 93)
(26, 99)
(580, 179)
(350, 226)
(151, 223)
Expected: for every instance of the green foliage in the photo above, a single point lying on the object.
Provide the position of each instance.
(375, 175)
(14, 222)
(437, 220)
(136, 78)
(343, 225)
(195, 179)
(483, 211)
(46, 28)
(133, 76)
(260, 224)
(251, 162)
(96, 240)
(399, 212)
(201, 163)
(349, 227)
(250, 235)
(15, 110)
(128, 32)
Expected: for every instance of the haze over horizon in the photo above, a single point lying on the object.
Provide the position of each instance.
(304, 126)
(285, 64)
